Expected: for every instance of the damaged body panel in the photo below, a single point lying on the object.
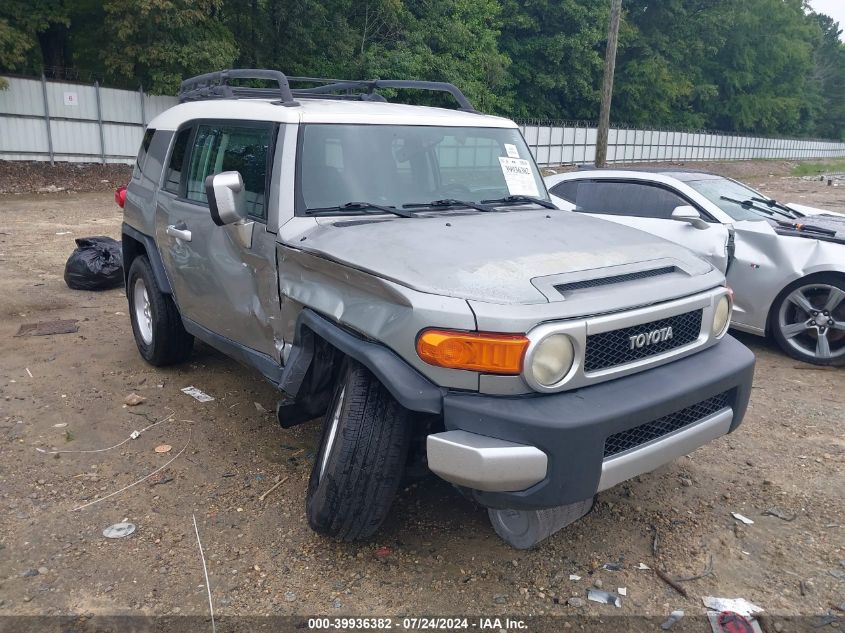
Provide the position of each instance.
(767, 262)
(786, 261)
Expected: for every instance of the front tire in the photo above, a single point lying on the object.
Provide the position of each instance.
(159, 334)
(808, 320)
(363, 450)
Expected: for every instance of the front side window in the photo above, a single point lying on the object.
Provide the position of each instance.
(713, 189)
(395, 165)
(244, 148)
(624, 198)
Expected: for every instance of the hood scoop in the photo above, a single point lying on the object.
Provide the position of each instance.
(614, 279)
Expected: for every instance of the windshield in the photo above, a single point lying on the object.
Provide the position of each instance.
(713, 189)
(395, 165)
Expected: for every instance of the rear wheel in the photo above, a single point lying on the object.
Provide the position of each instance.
(808, 320)
(364, 446)
(159, 334)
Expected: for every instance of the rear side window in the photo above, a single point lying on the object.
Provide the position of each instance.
(173, 179)
(241, 147)
(142, 153)
(624, 198)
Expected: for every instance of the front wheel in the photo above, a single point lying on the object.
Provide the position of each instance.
(808, 320)
(364, 447)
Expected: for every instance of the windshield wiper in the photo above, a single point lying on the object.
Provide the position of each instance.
(752, 203)
(448, 202)
(520, 199)
(359, 207)
(803, 228)
(771, 202)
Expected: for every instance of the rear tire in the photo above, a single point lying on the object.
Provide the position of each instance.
(808, 319)
(361, 461)
(159, 334)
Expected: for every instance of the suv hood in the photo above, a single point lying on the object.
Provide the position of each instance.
(507, 257)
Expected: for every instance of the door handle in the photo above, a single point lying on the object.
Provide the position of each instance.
(180, 234)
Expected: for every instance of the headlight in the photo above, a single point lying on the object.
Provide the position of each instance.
(552, 359)
(722, 316)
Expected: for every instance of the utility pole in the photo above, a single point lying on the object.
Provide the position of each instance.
(607, 85)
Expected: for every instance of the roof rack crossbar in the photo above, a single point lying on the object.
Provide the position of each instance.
(216, 86)
(371, 85)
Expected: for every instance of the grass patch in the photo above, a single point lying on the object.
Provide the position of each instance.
(818, 168)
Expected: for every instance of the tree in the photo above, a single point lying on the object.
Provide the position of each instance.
(829, 78)
(158, 42)
(33, 34)
(556, 50)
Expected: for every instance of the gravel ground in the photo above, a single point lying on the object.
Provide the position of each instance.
(436, 553)
(18, 177)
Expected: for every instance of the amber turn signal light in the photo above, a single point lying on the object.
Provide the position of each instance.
(484, 352)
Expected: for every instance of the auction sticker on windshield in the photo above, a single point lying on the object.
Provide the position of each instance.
(518, 176)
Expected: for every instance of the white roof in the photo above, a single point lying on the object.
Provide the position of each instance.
(323, 111)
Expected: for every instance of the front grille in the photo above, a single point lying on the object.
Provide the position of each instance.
(605, 281)
(610, 349)
(626, 440)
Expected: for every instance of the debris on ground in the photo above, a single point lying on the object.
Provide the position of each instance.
(643, 566)
(780, 514)
(163, 448)
(119, 530)
(673, 619)
(260, 407)
(575, 602)
(622, 591)
(95, 264)
(671, 582)
(574, 577)
(272, 488)
(133, 400)
(197, 394)
(612, 566)
(205, 572)
(604, 597)
(742, 518)
(732, 614)
(48, 328)
(736, 605)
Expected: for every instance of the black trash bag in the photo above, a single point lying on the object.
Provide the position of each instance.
(95, 264)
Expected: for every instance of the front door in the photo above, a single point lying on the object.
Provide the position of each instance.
(644, 206)
(223, 277)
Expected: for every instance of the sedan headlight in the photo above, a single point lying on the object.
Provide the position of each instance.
(552, 359)
(722, 316)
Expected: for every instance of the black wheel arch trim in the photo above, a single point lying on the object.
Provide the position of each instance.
(151, 251)
(410, 388)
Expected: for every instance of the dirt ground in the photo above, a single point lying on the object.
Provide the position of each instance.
(436, 554)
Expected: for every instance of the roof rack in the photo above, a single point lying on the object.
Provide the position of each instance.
(216, 86)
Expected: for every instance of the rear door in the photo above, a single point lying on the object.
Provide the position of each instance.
(222, 283)
(646, 206)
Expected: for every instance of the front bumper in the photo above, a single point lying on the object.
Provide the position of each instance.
(539, 451)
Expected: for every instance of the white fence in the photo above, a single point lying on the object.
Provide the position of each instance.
(75, 122)
(573, 143)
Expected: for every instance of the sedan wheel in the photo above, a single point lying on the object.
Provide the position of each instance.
(810, 321)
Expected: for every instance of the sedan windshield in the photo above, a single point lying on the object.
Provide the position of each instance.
(347, 169)
(717, 189)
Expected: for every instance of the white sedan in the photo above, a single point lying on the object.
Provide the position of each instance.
(786, 264)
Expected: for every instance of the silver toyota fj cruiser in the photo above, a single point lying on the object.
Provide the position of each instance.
(400, 271)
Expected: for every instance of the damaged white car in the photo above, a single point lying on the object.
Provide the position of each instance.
(785, 263)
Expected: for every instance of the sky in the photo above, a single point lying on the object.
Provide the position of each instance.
(833, 8)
